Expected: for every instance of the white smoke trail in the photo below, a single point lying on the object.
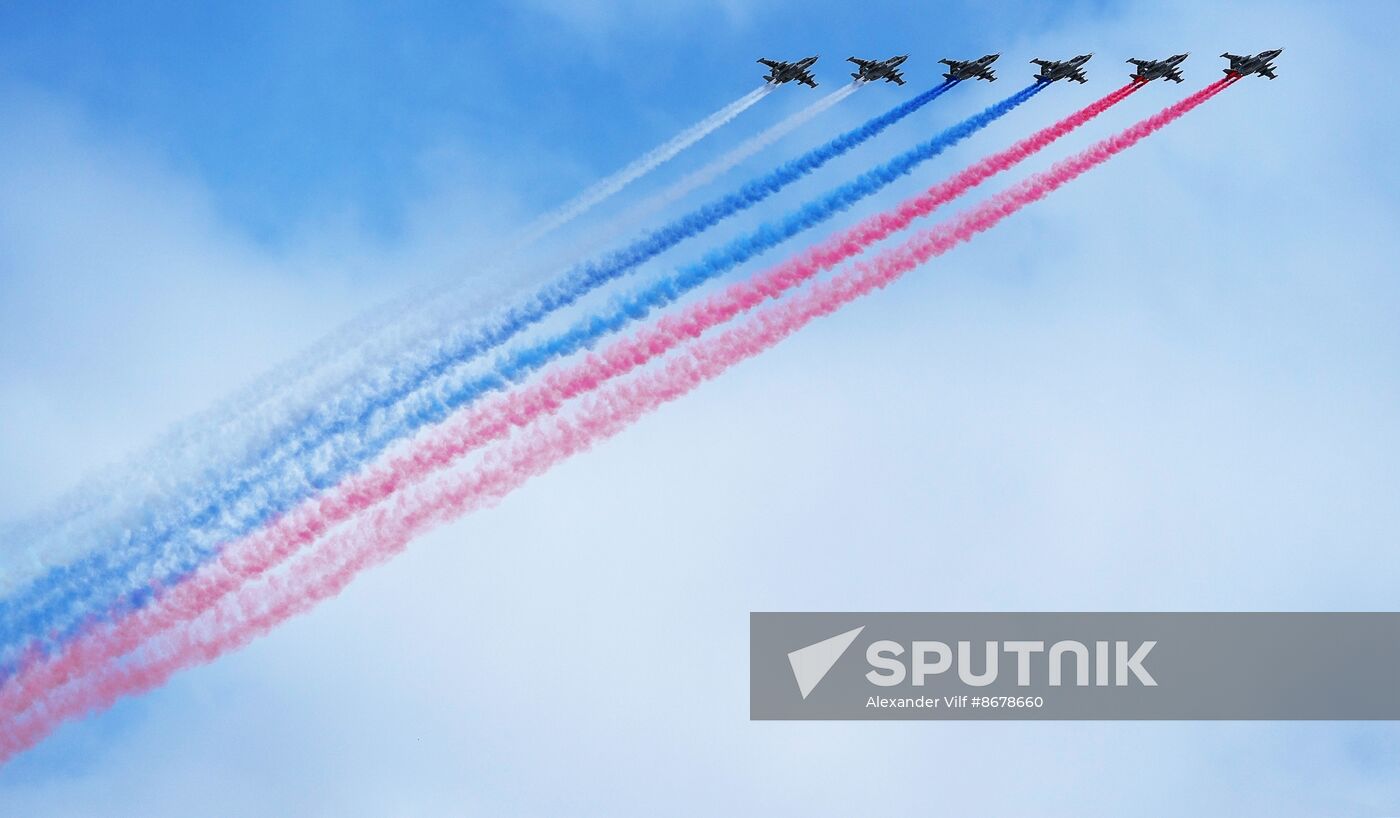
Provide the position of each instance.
(586, 200)
(633, 216)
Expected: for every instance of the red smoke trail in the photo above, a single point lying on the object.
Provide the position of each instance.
(490, 421)
(386, 529)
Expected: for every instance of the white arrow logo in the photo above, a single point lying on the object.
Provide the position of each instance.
(811, 664)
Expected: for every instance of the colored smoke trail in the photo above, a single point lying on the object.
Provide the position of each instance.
(515, 365)
(492, 420)
(388, 528)
(599, 192)
(119, 578)
(47, 538)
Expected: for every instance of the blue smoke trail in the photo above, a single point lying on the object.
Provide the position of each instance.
(512, 367)
(60, 602)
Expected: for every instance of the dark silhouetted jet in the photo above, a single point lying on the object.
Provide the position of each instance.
(871, 70)
(1252, 64)
(971, 69)
(1055, 70)
(1149, 70)
(780, 72)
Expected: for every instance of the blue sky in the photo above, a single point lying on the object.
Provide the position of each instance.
(1173, 385)
(293, 111)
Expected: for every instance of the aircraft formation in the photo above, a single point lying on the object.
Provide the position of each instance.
(1072, 69)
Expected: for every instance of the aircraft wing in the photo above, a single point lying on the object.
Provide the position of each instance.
(1078, 76)
(1268, 71)
(897, 79)
(860, 62)
(770, 63)
(807, 80)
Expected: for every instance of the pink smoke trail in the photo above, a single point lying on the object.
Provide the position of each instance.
(474, 428)
(388, 528)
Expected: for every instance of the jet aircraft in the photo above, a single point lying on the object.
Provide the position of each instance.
(1149, 70)
(871, 70)
(971, 69)
(1252, 64)
(780, 72)
(1054, 70)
